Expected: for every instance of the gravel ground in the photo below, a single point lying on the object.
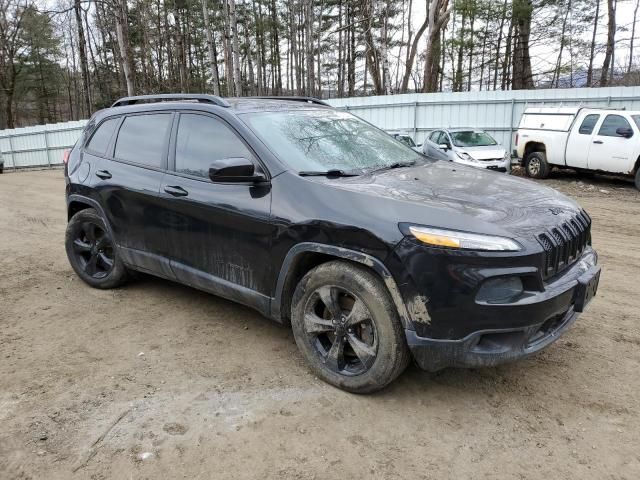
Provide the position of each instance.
(155, 380)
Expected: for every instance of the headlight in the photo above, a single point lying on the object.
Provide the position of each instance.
(465, 156)
(470, 241)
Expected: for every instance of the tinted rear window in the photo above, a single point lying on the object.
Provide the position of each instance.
(102, 136)
(142, 138)
(588, 124)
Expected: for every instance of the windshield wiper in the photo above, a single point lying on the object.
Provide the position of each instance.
(393, 165)
(327, 173)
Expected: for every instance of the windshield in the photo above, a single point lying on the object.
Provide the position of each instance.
(320, 140)
(472, 138)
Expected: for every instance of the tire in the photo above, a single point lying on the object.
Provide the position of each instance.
(638, 178)
(91, 251)
(536, 165)
(339, 306)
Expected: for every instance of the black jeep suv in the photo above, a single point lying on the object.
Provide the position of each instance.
(372, 252)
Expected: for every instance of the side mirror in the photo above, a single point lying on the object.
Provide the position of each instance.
(235, 169)
(443, 146)
(624, 132)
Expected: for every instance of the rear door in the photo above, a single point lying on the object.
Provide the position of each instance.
(580, 141)
(221, 233)
(128, 185)
(611, 152)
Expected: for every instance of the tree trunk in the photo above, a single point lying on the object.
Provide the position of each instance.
(611, 39)
(82, 50)
(408, 67)
(124, 44)
(522, 76)
(211, 49)
(438, 14)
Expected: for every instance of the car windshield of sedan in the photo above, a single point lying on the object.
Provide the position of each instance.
(322, 139)
(472, 138)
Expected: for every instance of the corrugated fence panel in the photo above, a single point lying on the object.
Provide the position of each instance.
(40, 145)
(497, 112)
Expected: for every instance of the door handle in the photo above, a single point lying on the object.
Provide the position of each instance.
(103, 174)
(176, 191)
(599, 142)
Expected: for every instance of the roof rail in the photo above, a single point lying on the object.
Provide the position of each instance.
(221, 102)
(296, 99)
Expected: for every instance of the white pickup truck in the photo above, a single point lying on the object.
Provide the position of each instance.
(602, 140)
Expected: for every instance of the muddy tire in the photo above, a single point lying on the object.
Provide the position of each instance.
(347, 327)
(536, 165)
(92, 252)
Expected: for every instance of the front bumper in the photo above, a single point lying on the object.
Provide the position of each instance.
(491, 334)
(500, 165)
(489, 347)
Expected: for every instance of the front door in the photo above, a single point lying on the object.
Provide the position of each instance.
(220, 235)
(611, 152)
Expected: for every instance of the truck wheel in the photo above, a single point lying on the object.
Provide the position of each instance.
(92, 252)
(347, 327)
(536, 165)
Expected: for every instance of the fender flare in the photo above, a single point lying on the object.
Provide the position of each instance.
(341, 253)
(91, 203)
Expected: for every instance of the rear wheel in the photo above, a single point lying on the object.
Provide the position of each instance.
(92, 252)
(638, 178)
(536, 165)
(347, 327)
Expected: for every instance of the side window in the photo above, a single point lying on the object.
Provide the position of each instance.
(102, 136)
(611, 124)
(434, 136)
(444, 138)
(142, 138)
(201, 140)
(588, 124)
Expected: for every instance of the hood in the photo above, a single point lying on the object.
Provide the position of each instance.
(488, 152)
(455, 196)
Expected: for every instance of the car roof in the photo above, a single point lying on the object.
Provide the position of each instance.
(237, 105)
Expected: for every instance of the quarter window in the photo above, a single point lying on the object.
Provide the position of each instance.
(100, 140)
(611, 124)
(203, 139)
(588, 124)
(142, 138)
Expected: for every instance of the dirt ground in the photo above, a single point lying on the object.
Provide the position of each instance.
(155, 380)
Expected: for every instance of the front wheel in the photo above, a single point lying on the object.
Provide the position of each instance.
(638, 178)
(536, 165)
(347, 327)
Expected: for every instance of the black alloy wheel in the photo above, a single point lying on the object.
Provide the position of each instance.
(341, 330)
(94, 250)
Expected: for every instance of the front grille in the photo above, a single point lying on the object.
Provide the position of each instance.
(564, 244)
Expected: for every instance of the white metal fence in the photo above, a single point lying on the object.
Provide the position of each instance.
(38, 146)
(498, 112)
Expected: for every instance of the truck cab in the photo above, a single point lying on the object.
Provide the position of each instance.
(585, 139)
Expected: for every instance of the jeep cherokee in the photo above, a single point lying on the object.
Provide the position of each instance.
(373, 253)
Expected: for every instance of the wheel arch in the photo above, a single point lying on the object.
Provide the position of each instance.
(533, 146)
(76, 203)
(304, 256)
